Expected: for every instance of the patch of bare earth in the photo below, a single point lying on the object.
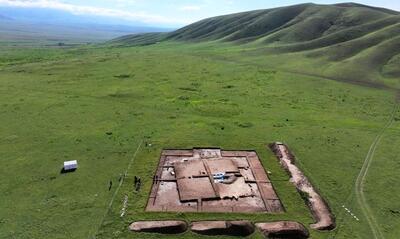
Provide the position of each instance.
(212, 180)
(232, 228)
(283, 229)
(319, 208)
(164, 227)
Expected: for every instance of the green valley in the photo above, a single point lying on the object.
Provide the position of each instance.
(324, 79)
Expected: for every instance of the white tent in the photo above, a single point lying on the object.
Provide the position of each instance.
(70, 165)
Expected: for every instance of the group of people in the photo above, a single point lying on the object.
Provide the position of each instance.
(137, 183)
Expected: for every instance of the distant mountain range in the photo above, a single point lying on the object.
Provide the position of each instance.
(5, 18)
(35, 24)
(53, 16)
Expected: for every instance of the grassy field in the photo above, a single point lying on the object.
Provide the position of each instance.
(98, 104)
(345, 42)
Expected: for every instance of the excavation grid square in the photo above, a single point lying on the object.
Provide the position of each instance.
(212, 180)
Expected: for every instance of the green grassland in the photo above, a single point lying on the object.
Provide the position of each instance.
(346, 42)
(62, 107)
(103, 105)
(14, 33)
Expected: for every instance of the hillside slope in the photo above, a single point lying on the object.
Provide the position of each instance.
(285, 25)
(361, 42)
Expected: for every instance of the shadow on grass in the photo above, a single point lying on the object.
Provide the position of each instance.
(63, 171)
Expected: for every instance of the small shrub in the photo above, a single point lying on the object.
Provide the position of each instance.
(123, 76)
(187, 89)
(244, 125)
(228, 86)
(182, 97)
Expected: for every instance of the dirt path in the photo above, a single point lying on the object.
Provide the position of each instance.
(359, 185)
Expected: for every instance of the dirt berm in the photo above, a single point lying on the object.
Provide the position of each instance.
(230, 228)
(324, 220)
(164, 227)
(283, 229)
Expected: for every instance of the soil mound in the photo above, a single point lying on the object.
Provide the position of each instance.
(324, 219)
(164, 227)
(283, 229)
(231, 228)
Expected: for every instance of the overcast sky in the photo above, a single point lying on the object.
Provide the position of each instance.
(169, 13)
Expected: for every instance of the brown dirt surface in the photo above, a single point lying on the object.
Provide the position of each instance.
(231, 228)
(212, 180)
(283, 229)
(319, 208)
(164, 227)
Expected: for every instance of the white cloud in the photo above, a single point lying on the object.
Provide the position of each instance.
(124, 3)
(190, 8)
(89, 10)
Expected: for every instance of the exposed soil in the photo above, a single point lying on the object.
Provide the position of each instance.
(319, 208)
(231, 228)
(212, 180)
(283, 229)
(164, 227)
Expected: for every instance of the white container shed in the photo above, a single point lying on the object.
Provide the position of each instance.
(70, 165)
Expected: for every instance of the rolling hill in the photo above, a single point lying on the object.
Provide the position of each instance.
(317, 25)
(361, 42)
(235, 82)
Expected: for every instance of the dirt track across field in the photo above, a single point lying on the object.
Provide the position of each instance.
(359, 185)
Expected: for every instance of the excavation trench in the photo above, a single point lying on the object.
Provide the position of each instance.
(324, 219)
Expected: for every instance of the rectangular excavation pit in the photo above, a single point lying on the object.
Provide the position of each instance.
(212, 180)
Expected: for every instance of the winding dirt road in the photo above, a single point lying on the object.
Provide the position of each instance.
(359, 185)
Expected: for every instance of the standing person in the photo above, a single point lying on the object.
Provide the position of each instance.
(138, 184)
(110, 186)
